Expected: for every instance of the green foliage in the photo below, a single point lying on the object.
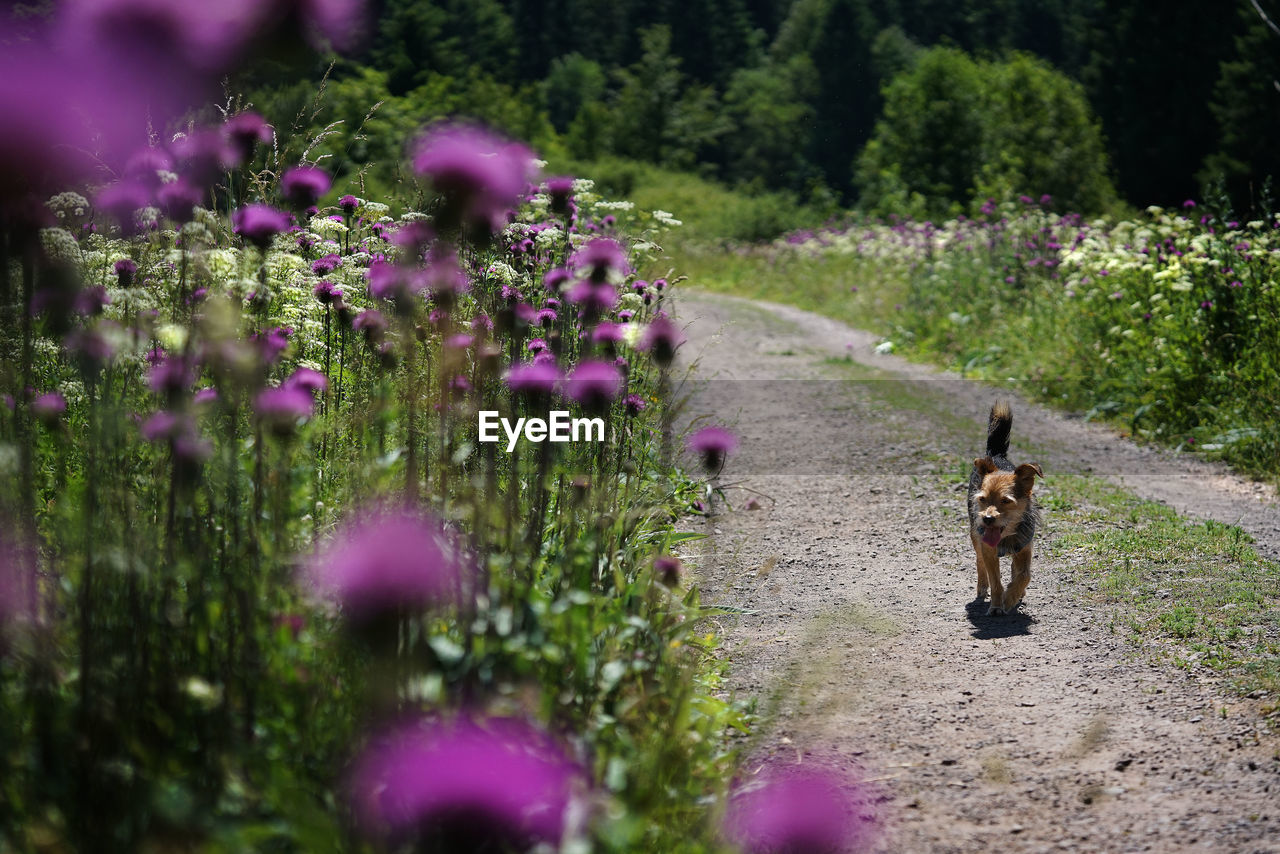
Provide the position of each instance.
(956, 129)
(573, 83)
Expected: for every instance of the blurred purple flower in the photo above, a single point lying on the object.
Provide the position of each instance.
(559, 191)
(634, 405)
(122, 201)
(372, 323)
(713, 444)
(538, 379)
(465, 785)
(49, 407)
(282, 408)
(326, 265)
(126, 269)
(593, 385)
(594, 298)
(384, 559)
(662, 338)
(203, 155)
(178, 200)
(799, 810)
(259, 224)
(18, 578)
(244, 132)
(302, 186)
(311, 381)
(667, 570)
(599, 257)
(327, 293)
(556, 279)
(272, 343)
(479, 174)
(171, 376)
(145, 164)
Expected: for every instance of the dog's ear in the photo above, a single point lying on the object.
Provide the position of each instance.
(984, 465)
(1024, 477)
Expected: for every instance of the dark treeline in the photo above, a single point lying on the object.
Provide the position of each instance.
(786, 94)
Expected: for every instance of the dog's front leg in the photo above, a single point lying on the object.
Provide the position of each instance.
(1021, 578)
(991, 558)
(982, 567)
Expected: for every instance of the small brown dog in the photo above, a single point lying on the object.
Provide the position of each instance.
(1002, 515)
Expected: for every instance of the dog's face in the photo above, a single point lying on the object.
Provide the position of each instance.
(1002, 498)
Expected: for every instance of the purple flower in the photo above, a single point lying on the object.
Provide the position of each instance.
(171, 376)
(546, 317)
(205, 395)
(536, 380)
(460, 341)
(272, 343)
(327, 293)
(667, 570)
(599, 257)
(466, 785)
(594, 385)
(49, 407)
(348, 203)
(480, 175)
(372, 323)
(326, 265)
(126, 269)
(556, 279)
(1189, 203)
(594, 298)
(178, 200)
(312, 382)
(608, 334)
(302, 186)
(203, 155)
(282, 408)
(122, 200)
(662, 338)
(145, 164)
(713, 444)
(634, 405)
(536, 346)
(385, 559)
(259, 224)
(160, 426)
(244, 131)
(559, 190)
(800, 810)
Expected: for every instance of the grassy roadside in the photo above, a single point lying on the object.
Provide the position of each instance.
(1195, 594)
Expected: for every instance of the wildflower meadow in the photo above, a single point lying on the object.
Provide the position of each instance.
(264, 583)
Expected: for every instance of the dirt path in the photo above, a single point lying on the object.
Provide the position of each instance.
(847, 545)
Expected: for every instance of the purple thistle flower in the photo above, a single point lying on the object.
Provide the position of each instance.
(559, 190)
(244, 132)
(348, 203)
(460, 341)
(310, 381)
(714, 444)
(171, 376)
(599, 257)
(49, 407)
(282, 408)
(159, 426)
(481, 324)
(634, 405)
(662, 338)
(203, 155)
(122, 200)
(272, 343)
(610, 334)
(326, 265)
(205, 395)
(372, 323)
(384, 559)
(593, 298)
(126, 269)
(809, 810)
(302, 186)
(667, 570)
(480, 175)
(145, 164)
(327, 293)
(465, 785)
(546, 317)
(556, 279)
(536, 380)
(594, 385)
(259, 224)
(178, 200)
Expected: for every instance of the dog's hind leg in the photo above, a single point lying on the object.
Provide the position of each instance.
(1021, 578)
(982, 568)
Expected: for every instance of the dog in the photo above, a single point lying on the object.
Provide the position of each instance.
(1003, 515)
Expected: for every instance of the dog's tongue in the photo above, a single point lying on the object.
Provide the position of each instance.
(991, 536)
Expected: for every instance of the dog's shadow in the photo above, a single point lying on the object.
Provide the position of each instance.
(993, 628)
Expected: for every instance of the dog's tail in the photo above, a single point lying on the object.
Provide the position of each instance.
(998, 428)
